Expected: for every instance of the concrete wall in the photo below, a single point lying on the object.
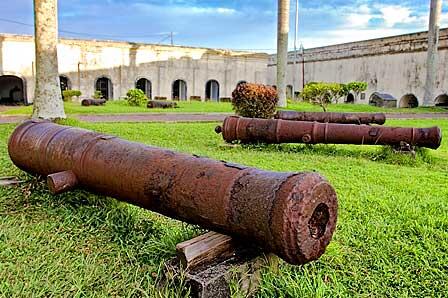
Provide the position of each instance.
(84, 61)
(394, 65)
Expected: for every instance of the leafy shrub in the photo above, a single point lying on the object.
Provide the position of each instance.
(136, 97)
(357, 87)
(68, 95)
(225, 99)
(322, 94)
(97, 94)
(254, 100)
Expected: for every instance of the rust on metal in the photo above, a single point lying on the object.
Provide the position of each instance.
(161, 104)
(331, 117)
(290, 214)
(248, 130)
(93, 102)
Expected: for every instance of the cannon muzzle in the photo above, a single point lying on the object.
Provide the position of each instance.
(290, 214)
(249, 130)
(331, 117)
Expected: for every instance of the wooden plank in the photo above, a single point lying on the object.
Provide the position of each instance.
(205, 250)
(9, 181)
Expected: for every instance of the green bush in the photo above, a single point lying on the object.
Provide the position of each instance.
(97, 94)
(322, 94)
(68, 95)
(136, 97)
(254, 100)
(357, 87)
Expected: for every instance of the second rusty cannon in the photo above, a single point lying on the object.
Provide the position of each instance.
(249, 130)
(290, 214)
(93, 102)
(332, 117)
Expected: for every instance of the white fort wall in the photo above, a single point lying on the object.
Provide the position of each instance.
(84, 61)
(394, 65)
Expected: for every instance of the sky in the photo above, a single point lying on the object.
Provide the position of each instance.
(233, 24)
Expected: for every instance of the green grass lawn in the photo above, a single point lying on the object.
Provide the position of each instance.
(391, 238)
(121, 106)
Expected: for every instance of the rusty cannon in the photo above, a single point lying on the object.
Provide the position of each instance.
(161, 104)
(331, 117)
(248, 130)
(290, 214)
(93, 102)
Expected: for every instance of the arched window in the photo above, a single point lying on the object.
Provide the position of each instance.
(179, 90)
(12, 90)
(350, 98)
(212, 90)
(64, 83)
(144, 85)
(442, 101)
(104, 85)
(409, 101)
(289, 91)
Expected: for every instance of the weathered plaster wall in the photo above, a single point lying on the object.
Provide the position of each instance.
(84, 61)
(394, 65)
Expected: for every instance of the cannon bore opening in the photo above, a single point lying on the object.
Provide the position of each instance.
(318, 222)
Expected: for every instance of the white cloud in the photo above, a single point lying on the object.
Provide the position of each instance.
(396, 14)
(187, 10)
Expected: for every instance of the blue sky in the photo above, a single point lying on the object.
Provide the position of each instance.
(237, 24)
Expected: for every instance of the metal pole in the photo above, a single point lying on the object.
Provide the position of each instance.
(172, 39)
(433, 44)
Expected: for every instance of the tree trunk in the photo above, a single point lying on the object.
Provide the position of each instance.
(282, 49)
(433, 44)
(48, 102)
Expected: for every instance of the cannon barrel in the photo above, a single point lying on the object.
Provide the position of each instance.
(93, 102)
(248, 130)
(331, 117)
(290, 214)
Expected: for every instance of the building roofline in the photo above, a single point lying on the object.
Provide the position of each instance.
(136, 44)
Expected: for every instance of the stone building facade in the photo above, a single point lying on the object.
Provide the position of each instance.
(115, 67)
(393, 65)
(394, 68)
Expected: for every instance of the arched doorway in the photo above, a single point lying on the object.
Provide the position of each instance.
(289, 91)
(104, 85)
(212, 90)
(408, 101)
(64, 83)
(12, 90)
(144, 85)
(179, 90)
(350, 98)
(442, 101)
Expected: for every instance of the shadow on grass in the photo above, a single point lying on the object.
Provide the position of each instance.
(151, 237)
(384, 154)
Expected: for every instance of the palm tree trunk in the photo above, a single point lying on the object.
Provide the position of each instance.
(48, 102)
(433, 44)
(282, 49)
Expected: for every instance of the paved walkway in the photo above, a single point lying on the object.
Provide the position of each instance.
(194, 117)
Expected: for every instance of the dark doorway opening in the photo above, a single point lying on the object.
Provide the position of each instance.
(212, 90)
(64, 83)
(146, 86)
(12, 90)
(442, 101)
(179, 90)
(104, 85)
(350, 98)
(289, 91)
(409, 101)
